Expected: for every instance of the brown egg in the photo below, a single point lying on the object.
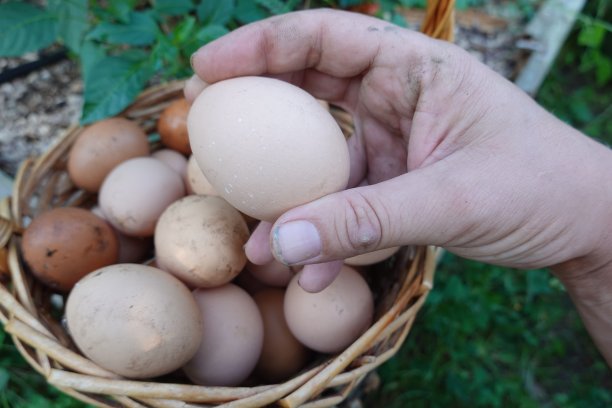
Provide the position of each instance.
(330, 320)
(196, 181)
(131, 249)
(200, 240)
(136, 192)
(282, 354)
(172, 158)
(64, 244)
(371, 258)
(232, 337)
(101, 147)
(134, 320)
(172, 126)
(248, 282)
(273, 273)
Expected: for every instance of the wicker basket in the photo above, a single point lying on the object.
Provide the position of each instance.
(28, 313)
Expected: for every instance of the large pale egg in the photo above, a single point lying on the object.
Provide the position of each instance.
(266, 145)
(134, 320)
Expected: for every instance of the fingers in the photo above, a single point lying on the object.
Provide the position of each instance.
(335, 43)
(415, 208)
(193, 87)
(316, 277)
(257, 248)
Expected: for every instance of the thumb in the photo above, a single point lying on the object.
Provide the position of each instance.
(413, 209)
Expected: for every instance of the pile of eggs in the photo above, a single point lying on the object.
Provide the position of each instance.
(155, 274)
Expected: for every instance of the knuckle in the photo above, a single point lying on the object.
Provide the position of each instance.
(361, 228)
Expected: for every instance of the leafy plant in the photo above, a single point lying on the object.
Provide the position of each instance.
(494, 337)
(20, 386)
(579, 88)
(121, 45)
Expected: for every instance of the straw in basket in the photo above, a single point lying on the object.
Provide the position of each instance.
(26, 309)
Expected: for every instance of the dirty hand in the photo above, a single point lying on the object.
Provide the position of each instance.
(446, 151)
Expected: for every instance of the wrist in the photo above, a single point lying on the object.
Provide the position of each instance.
(590, 271)
(593, 218)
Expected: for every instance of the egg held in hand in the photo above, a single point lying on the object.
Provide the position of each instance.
(266, 146)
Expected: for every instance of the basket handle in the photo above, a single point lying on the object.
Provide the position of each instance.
(440, 19)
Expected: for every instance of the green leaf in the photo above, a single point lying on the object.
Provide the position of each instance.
(349, 3)
(591, 36)
(91, 54)
(581, 110)
(216, 11)
(173, 7)
(112, 85)
(210, 33)
(163, 53)
(273, 6)
(183, 32)
(141, 30)
(73, 22)
(4, 378)
(203, 36)
(121, 9)
(603, 70)
(25, 28)
(248, 11)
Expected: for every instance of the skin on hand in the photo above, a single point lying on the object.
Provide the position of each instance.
(455, 155)
(445, 152)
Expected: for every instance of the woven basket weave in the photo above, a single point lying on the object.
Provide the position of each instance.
(30, 317)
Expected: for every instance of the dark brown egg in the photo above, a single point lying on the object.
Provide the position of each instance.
(64, 244)
(172, 126)
(282, 354)
(101, 147)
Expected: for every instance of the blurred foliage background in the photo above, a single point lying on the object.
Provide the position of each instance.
(488, 336)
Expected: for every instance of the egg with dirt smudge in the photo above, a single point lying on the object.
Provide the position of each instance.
(134, 320)
(200, 240)
(64, 244)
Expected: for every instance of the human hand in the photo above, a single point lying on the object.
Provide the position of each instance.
(452, 154)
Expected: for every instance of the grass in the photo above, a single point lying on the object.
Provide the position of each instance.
(20, 386)
(487, 336)
(491, 337)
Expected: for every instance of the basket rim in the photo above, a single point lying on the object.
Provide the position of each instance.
(42, 345)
